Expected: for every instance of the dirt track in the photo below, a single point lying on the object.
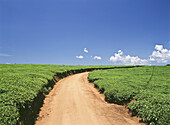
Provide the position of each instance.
(75, 101)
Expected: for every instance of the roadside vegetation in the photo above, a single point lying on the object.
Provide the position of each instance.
(148, 87)
(22, 87)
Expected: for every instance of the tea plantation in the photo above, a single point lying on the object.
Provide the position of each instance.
(21, 84)
(148, 87)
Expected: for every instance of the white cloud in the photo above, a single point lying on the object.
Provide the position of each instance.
(160, 55)
(127, 59)
(8, 63)
(3, 54)
(85, 50)
(97, 57)
(159, 47)
(151, 59)
(79, 57)
(120, 52)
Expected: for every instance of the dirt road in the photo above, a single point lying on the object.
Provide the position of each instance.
(75, 101)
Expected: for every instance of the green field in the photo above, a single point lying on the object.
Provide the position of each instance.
(20, 85)
(149, 86)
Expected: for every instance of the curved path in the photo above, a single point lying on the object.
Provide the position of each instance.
(75, 101)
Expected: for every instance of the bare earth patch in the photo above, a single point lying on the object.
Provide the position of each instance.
(75, 101)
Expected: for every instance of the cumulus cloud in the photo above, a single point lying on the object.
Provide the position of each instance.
(97, 57)
(85, 50)
(3, 54)
(160, 55)
(159, 47)
(119, 57)
(79, 57)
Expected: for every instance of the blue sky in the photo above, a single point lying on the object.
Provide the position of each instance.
(58, 31)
